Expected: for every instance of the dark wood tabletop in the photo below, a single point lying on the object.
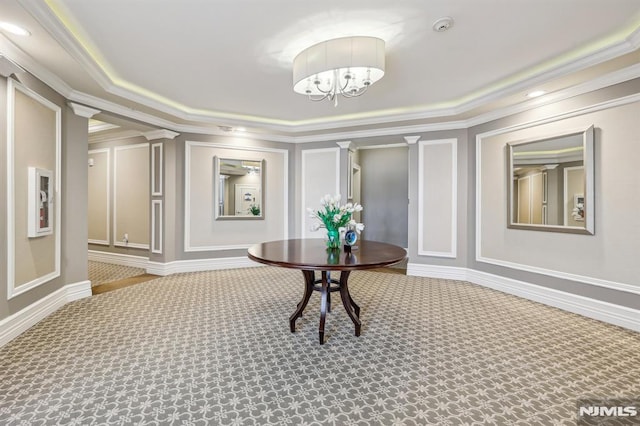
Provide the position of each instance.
(312, 254)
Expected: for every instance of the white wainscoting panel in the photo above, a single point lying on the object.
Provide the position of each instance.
(320, 171)
(438, 198)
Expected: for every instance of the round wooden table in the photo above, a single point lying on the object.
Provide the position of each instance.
(310, 255)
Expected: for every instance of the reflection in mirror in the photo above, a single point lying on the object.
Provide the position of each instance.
(238, 188)
(551, 183)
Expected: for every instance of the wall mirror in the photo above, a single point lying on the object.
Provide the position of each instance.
(551, 183)
(238, 188)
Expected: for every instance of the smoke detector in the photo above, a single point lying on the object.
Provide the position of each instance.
(443, 24)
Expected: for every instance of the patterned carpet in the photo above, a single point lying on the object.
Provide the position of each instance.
(214, 348)
(100, 272)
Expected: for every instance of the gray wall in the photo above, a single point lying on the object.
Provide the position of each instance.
(385, 194)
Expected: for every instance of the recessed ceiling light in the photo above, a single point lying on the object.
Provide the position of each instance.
(536, 93)
(14, 29)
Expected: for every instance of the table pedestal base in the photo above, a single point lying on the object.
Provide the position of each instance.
(326, 286)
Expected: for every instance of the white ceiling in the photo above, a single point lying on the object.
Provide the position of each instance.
(193, 65)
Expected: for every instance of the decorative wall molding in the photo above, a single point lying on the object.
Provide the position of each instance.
(116, 241)
(529, 268)
(106, 151)
(16, 324)
(12, 289)
(422, 148)
(305, 154)
(156, 226)
(411, 140)
(157, 175)
(344, 145)
(187, 195)
(591, 308)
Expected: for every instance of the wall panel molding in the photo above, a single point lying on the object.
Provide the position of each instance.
(107, 195)
(429, 204)
(189, 145)
(310, 182)
(14, 289)
(157, 169)
(156, 226)
(479, 237)
(117, 238)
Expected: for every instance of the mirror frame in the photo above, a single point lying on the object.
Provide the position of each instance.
(216, 190)
(588, 145)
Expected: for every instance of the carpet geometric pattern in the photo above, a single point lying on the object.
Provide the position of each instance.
(210, 348)
(100, 272)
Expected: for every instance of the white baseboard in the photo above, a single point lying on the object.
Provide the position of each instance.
(11, 327)
(196, 265)
(118, 259)
(591, 308)
(434, 271)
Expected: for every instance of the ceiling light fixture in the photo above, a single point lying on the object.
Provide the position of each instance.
(343, 66)
(13, 29)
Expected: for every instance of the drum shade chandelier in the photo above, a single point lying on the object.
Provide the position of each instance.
(343, 66)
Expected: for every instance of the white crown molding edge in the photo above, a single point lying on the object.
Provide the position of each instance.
(106, 151)
(187, 247)
(160, 134)
(453, 142)
(47, 18)
(16, 324)
(82, 110)
(603, 311)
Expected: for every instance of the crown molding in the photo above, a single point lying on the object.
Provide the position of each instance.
(160, 134)
(125, 134)
(411, 140)
(285, 131)
(344, 144)
(83, 111)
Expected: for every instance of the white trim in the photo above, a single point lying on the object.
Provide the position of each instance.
(131, 245)
(108, 195)
(98, 242)
(118, 259)
(156, 192)
(435, 271)
(156, 246)
(303, 181)
(617, 45)
(611, 285)
(454, 198)
(16, 324)
(603, 311)
(82, 110)
(197, 265)
(387, 145)
(187, 193)
(528, 268)
(116, 241)
(12, 290)
(160, 134)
